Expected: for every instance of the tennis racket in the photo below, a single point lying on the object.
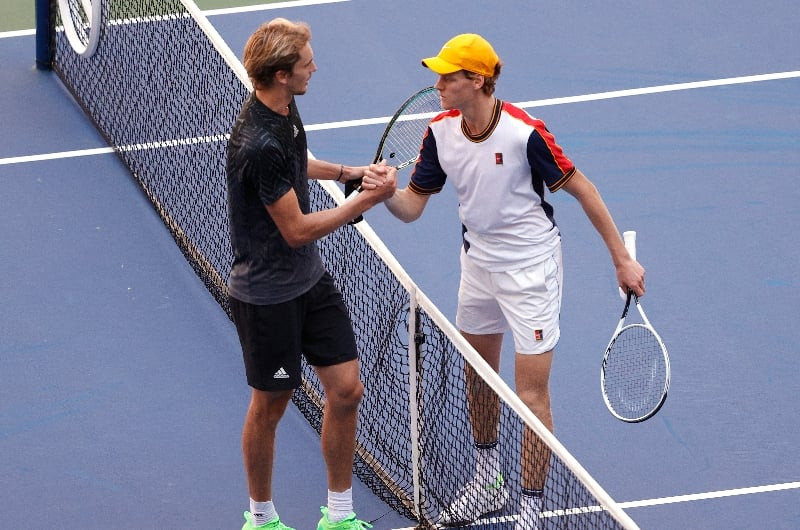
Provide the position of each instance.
(402, 137)
(635, 373)
(82, 20)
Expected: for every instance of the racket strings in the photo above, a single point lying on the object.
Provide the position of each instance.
(402, 142)
(635, 372)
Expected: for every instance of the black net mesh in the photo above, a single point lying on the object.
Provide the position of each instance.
(165, 99)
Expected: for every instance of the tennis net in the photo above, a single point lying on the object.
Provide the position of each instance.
(164, 90)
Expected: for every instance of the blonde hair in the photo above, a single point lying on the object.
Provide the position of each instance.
(275, 46)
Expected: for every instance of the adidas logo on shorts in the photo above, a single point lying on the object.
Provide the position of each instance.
(281, 374)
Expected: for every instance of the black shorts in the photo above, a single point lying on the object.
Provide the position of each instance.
(273, 337)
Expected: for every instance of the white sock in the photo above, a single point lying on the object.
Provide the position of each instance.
(530, 504)
(263, 512)
(487, 462)
(340, 504)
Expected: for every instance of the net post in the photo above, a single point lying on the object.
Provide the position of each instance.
(43, 36)
(413, 394)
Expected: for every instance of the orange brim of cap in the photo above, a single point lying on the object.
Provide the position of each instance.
(440, 66)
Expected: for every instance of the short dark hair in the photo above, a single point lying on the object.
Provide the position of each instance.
(488, 82)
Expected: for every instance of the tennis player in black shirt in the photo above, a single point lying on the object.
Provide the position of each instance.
(283, 301)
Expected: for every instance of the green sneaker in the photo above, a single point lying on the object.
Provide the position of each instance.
(275, 524)
(350, 523)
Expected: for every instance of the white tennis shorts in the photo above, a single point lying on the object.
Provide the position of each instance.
(526, 301)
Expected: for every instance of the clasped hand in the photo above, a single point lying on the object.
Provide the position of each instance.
(381, 179)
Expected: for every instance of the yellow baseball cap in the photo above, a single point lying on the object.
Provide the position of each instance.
(467, 51)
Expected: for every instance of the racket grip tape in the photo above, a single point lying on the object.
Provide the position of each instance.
(349, 187)
(629, 239)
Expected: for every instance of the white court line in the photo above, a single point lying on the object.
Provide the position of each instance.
(655, 502)
(711, 495)
(210, 12)
(594, 97)
(17, 33)
(265, 7)
(527, 104)
(54, 156)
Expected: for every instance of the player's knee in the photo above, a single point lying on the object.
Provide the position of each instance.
(538, 400)
(267, 408)
(347, 396)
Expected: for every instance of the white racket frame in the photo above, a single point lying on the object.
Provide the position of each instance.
(629, 238)
(93, 11)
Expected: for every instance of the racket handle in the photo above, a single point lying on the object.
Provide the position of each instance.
(350, 187)
(629, 238)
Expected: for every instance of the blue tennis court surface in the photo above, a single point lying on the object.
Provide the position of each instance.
(122, 393)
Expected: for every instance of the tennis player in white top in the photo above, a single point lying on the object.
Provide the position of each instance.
(500, 160)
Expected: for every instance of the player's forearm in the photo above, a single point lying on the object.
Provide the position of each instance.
(596, 210)
(406, 205)
(322, 170)
(316, 225)
(601, 219)
(630, 274)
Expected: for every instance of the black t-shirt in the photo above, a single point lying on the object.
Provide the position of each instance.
(267, 157)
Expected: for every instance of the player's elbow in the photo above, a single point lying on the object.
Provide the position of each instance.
(300, 241)
(296, 238)
(410, 217)
(404, 215)
(295, 242)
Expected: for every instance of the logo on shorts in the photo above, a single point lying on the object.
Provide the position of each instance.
(281, 374)
(538, 334)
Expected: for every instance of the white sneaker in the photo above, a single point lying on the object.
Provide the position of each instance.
(530, 521)
(529, 514)
(475, 499)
